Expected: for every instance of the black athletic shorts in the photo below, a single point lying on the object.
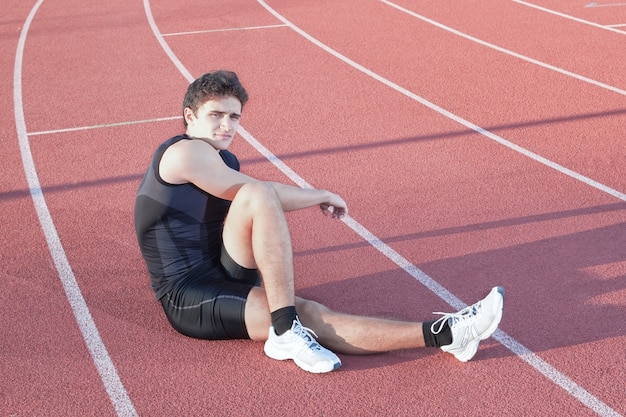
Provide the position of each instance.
(211, 303)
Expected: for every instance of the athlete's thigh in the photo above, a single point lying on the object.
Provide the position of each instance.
(237, 232)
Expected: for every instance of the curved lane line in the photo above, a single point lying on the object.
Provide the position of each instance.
(517, 348)
(450, 115)
(506, 51)
(108, 374)
(509, 342)
(576, 19)
(168, 51)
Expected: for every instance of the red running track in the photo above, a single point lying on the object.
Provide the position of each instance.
(476, 144)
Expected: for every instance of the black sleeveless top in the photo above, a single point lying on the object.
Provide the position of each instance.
(179, 227)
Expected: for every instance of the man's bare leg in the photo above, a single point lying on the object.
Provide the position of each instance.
(256, 235)
(339, 332)
(352, 334)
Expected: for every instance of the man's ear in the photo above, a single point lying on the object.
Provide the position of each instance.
(188, 115)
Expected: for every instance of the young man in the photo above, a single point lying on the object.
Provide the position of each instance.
(210, 235)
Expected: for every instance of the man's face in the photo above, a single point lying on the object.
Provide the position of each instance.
(215, 122)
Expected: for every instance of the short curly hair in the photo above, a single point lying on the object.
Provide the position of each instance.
(212, 85)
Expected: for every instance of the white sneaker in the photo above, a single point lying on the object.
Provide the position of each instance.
(298, 344)
(472, 324)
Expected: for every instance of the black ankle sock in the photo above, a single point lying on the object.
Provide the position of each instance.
(443, 338)
(282, 319)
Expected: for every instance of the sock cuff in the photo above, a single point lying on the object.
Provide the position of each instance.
(282, 319)
(443, 338)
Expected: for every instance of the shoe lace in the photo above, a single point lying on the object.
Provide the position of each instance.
(468, 313)
(305, 333)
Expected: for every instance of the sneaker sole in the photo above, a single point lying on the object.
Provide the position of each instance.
(332, 367)
(280, 356)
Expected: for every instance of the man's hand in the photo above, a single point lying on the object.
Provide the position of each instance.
(335, 207)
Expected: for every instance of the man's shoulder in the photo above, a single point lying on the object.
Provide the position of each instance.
(195, 154)
(165, 145)
(184, 145)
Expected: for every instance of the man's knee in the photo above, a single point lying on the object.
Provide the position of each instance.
(256, 194)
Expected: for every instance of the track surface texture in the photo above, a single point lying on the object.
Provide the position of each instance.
(476, 144)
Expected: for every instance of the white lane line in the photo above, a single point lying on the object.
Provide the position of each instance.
(566, 16)
(543, 367)
(450, 115)
(168, 51)
(106, 125)
(195, 32)
(509, 342)
(547, 370)
(517, 348)
(108, 374)
(592, 5)
(508, 52)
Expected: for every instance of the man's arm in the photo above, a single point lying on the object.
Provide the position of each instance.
(199, 163)
(296, 198)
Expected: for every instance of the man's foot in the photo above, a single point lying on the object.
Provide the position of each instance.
(298, 344)
(472, 324)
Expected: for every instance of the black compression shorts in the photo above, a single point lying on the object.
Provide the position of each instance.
(211, 304)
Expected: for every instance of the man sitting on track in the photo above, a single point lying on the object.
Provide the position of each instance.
(210, 235)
